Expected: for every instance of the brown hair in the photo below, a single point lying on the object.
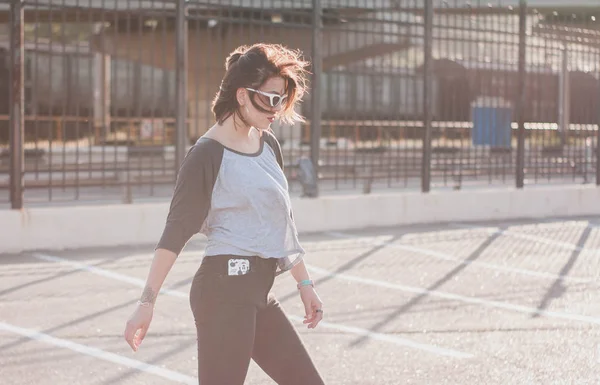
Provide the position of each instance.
(251, 66)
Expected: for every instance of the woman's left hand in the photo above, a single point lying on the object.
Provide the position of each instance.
(313, 306)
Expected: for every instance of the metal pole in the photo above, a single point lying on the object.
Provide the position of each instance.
(181, 69)
(563, 97)
(17, 105)
(520, 171)
(427, 97)
(315, 106)
(598, 137)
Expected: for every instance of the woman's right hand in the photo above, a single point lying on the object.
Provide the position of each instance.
(137, 326)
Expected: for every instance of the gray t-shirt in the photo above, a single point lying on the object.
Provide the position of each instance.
(239, 201)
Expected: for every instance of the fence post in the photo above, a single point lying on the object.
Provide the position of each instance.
(598, 138)
(427, 97)
(315, 105)
(520, 97)
(181, 68)
(17, 105)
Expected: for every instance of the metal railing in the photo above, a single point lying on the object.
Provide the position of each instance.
(102, 98)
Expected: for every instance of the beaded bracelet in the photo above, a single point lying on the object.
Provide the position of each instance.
(306, 282)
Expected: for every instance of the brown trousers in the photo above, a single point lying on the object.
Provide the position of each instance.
(237, 319)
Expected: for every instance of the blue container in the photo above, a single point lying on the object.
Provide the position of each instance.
(491, 123)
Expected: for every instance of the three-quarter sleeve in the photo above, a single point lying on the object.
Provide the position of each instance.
(192, 196)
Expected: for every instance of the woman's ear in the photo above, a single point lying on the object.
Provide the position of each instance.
(241, 96)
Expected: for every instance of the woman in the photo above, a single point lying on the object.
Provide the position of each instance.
(231, 187)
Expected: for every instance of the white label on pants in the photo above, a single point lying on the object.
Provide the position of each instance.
(238, 266)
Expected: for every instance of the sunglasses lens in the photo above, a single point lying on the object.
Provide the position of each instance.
(275, 101)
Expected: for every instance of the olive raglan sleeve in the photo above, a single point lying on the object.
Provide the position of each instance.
(192, 196)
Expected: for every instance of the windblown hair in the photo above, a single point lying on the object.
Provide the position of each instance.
(252, 66)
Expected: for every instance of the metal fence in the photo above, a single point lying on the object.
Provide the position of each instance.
(100, 99)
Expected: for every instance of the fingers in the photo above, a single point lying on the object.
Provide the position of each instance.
(135, 333)
(312, 307)
(315, 316)
(137, 327)
(318, 317)
(130, 330)
(309, 319)
(139, 337)
(307, 311)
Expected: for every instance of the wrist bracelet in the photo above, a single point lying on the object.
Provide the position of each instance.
(145, 304)
(306, 282)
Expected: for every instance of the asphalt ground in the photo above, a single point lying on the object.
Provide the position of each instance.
(458, 303)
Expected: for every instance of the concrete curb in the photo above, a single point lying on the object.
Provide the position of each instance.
(59, 228)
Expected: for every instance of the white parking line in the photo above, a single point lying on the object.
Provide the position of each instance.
(101, 354)
(105, 273)
(528, 237)
(457, 297)
(344, 328)
(392, 339)
(483, 265)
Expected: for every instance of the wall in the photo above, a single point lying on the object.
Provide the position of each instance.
(110, 225)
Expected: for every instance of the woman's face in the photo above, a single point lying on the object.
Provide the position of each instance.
(271, 96)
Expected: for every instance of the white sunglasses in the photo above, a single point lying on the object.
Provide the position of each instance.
(275, 100)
